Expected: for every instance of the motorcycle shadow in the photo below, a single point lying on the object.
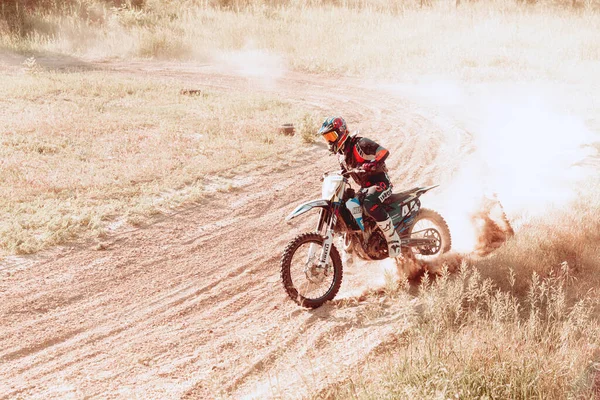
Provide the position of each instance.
(367, 311)
(410, 273)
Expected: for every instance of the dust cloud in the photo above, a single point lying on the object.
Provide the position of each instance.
(522, 157)
(255, 64)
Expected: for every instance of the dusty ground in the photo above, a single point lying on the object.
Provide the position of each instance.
(191, 306)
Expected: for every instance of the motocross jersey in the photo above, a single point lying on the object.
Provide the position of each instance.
(361, 150)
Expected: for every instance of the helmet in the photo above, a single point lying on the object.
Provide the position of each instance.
(334, 131)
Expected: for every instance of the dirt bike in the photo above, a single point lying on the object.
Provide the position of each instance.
(311, 266)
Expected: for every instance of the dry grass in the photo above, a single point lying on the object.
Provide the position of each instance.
(470, 341)
(521, 323)
(81, 149)
(546, 245)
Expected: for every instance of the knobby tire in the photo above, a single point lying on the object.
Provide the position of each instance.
(288, 285)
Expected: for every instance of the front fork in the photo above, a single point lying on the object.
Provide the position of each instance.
(328, 238)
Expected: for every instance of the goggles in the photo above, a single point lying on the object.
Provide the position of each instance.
(331, 137)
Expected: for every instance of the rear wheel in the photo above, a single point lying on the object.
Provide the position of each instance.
(303, 280)
(428, 225)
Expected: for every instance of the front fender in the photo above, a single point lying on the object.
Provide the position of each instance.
(309, 205)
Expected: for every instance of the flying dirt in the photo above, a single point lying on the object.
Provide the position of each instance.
(191, 306)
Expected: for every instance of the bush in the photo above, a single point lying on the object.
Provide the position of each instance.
(18, 16)
(162, 45)
(307, 128)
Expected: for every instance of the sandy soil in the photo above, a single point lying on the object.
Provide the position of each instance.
(192, 306)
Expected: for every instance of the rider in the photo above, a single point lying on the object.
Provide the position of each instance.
(359, 152)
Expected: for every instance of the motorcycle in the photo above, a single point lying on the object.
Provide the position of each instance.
(311, 266)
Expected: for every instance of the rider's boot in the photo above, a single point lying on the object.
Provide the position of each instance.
(393, 240)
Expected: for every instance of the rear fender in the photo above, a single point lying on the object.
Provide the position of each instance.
(309, 205)
(424, 190)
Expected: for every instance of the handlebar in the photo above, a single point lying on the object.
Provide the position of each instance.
(346, 173)
(353, 171)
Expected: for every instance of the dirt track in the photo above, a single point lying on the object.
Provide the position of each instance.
(192, 306)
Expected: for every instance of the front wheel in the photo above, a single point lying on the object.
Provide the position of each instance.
(304, 281)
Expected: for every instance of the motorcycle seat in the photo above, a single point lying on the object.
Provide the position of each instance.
(401, 196)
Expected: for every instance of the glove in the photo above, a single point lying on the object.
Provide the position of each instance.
(369, 166)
